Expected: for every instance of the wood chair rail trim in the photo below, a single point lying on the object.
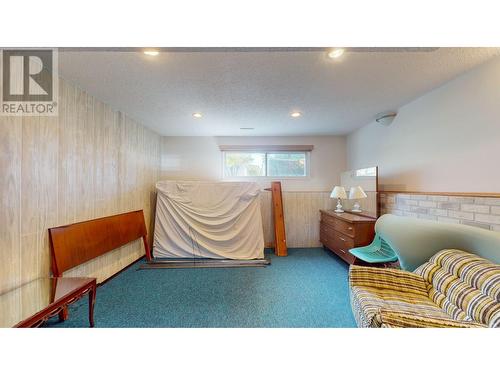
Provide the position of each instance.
(450, 194)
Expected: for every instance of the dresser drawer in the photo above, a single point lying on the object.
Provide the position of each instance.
(339, 225)
(342, 241)
(326, 234)
(337, 242)
(328, 219)
(345, 255)
(339, 239)
(346, 228)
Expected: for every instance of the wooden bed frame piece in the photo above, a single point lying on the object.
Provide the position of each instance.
(279, 244)
(280, 248)
(74, 244)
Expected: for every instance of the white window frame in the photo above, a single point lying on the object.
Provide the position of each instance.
(266, 177)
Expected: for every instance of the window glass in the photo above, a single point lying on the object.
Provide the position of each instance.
(286, 164)
(262, 164)
(242, 164)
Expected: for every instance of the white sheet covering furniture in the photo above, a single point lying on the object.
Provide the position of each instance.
(218, 220)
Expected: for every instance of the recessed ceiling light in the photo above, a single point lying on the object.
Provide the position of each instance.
(336, 53)
(197, 115)
(247, 128)
(296, 114)
(151, 53)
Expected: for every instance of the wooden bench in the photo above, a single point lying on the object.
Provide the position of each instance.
(75, 244)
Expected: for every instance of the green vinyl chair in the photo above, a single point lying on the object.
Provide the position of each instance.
(378, 251)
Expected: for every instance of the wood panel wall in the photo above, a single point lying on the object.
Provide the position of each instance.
(88, 162)
(301, 210)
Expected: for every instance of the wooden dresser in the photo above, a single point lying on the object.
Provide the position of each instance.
(340, 232)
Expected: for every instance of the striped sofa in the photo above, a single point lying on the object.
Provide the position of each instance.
(453, 289)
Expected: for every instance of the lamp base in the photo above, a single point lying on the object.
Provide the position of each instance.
(339, 206)
(356, 207)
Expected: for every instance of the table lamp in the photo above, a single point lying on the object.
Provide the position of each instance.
(357, 193)
(339, 193)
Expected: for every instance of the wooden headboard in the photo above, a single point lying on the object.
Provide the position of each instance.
(74, 244)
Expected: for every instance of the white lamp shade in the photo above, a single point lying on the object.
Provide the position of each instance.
(357, 193)
(338, 192)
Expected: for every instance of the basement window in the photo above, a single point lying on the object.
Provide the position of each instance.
(265, 161)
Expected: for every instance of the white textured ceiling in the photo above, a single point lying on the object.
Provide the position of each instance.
(259, 89)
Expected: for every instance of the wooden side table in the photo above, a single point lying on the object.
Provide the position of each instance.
(32, 304)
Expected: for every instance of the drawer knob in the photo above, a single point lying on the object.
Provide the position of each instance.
(349, 228)
(342, 239)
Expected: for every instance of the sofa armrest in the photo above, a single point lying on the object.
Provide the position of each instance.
(387, 278)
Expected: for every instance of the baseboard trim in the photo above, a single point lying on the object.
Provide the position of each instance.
(123, 269)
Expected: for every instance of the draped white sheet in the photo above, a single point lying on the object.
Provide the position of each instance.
(219, 220)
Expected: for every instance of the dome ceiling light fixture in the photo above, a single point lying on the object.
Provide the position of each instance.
(151, 52)
(385, 118)
(336, 53)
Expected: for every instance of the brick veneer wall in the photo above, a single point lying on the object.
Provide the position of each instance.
(475, 211)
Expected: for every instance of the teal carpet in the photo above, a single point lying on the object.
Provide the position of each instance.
(309, 288)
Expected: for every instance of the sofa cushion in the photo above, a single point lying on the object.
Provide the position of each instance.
(396, 319)
(375, 289)
(464, 286)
